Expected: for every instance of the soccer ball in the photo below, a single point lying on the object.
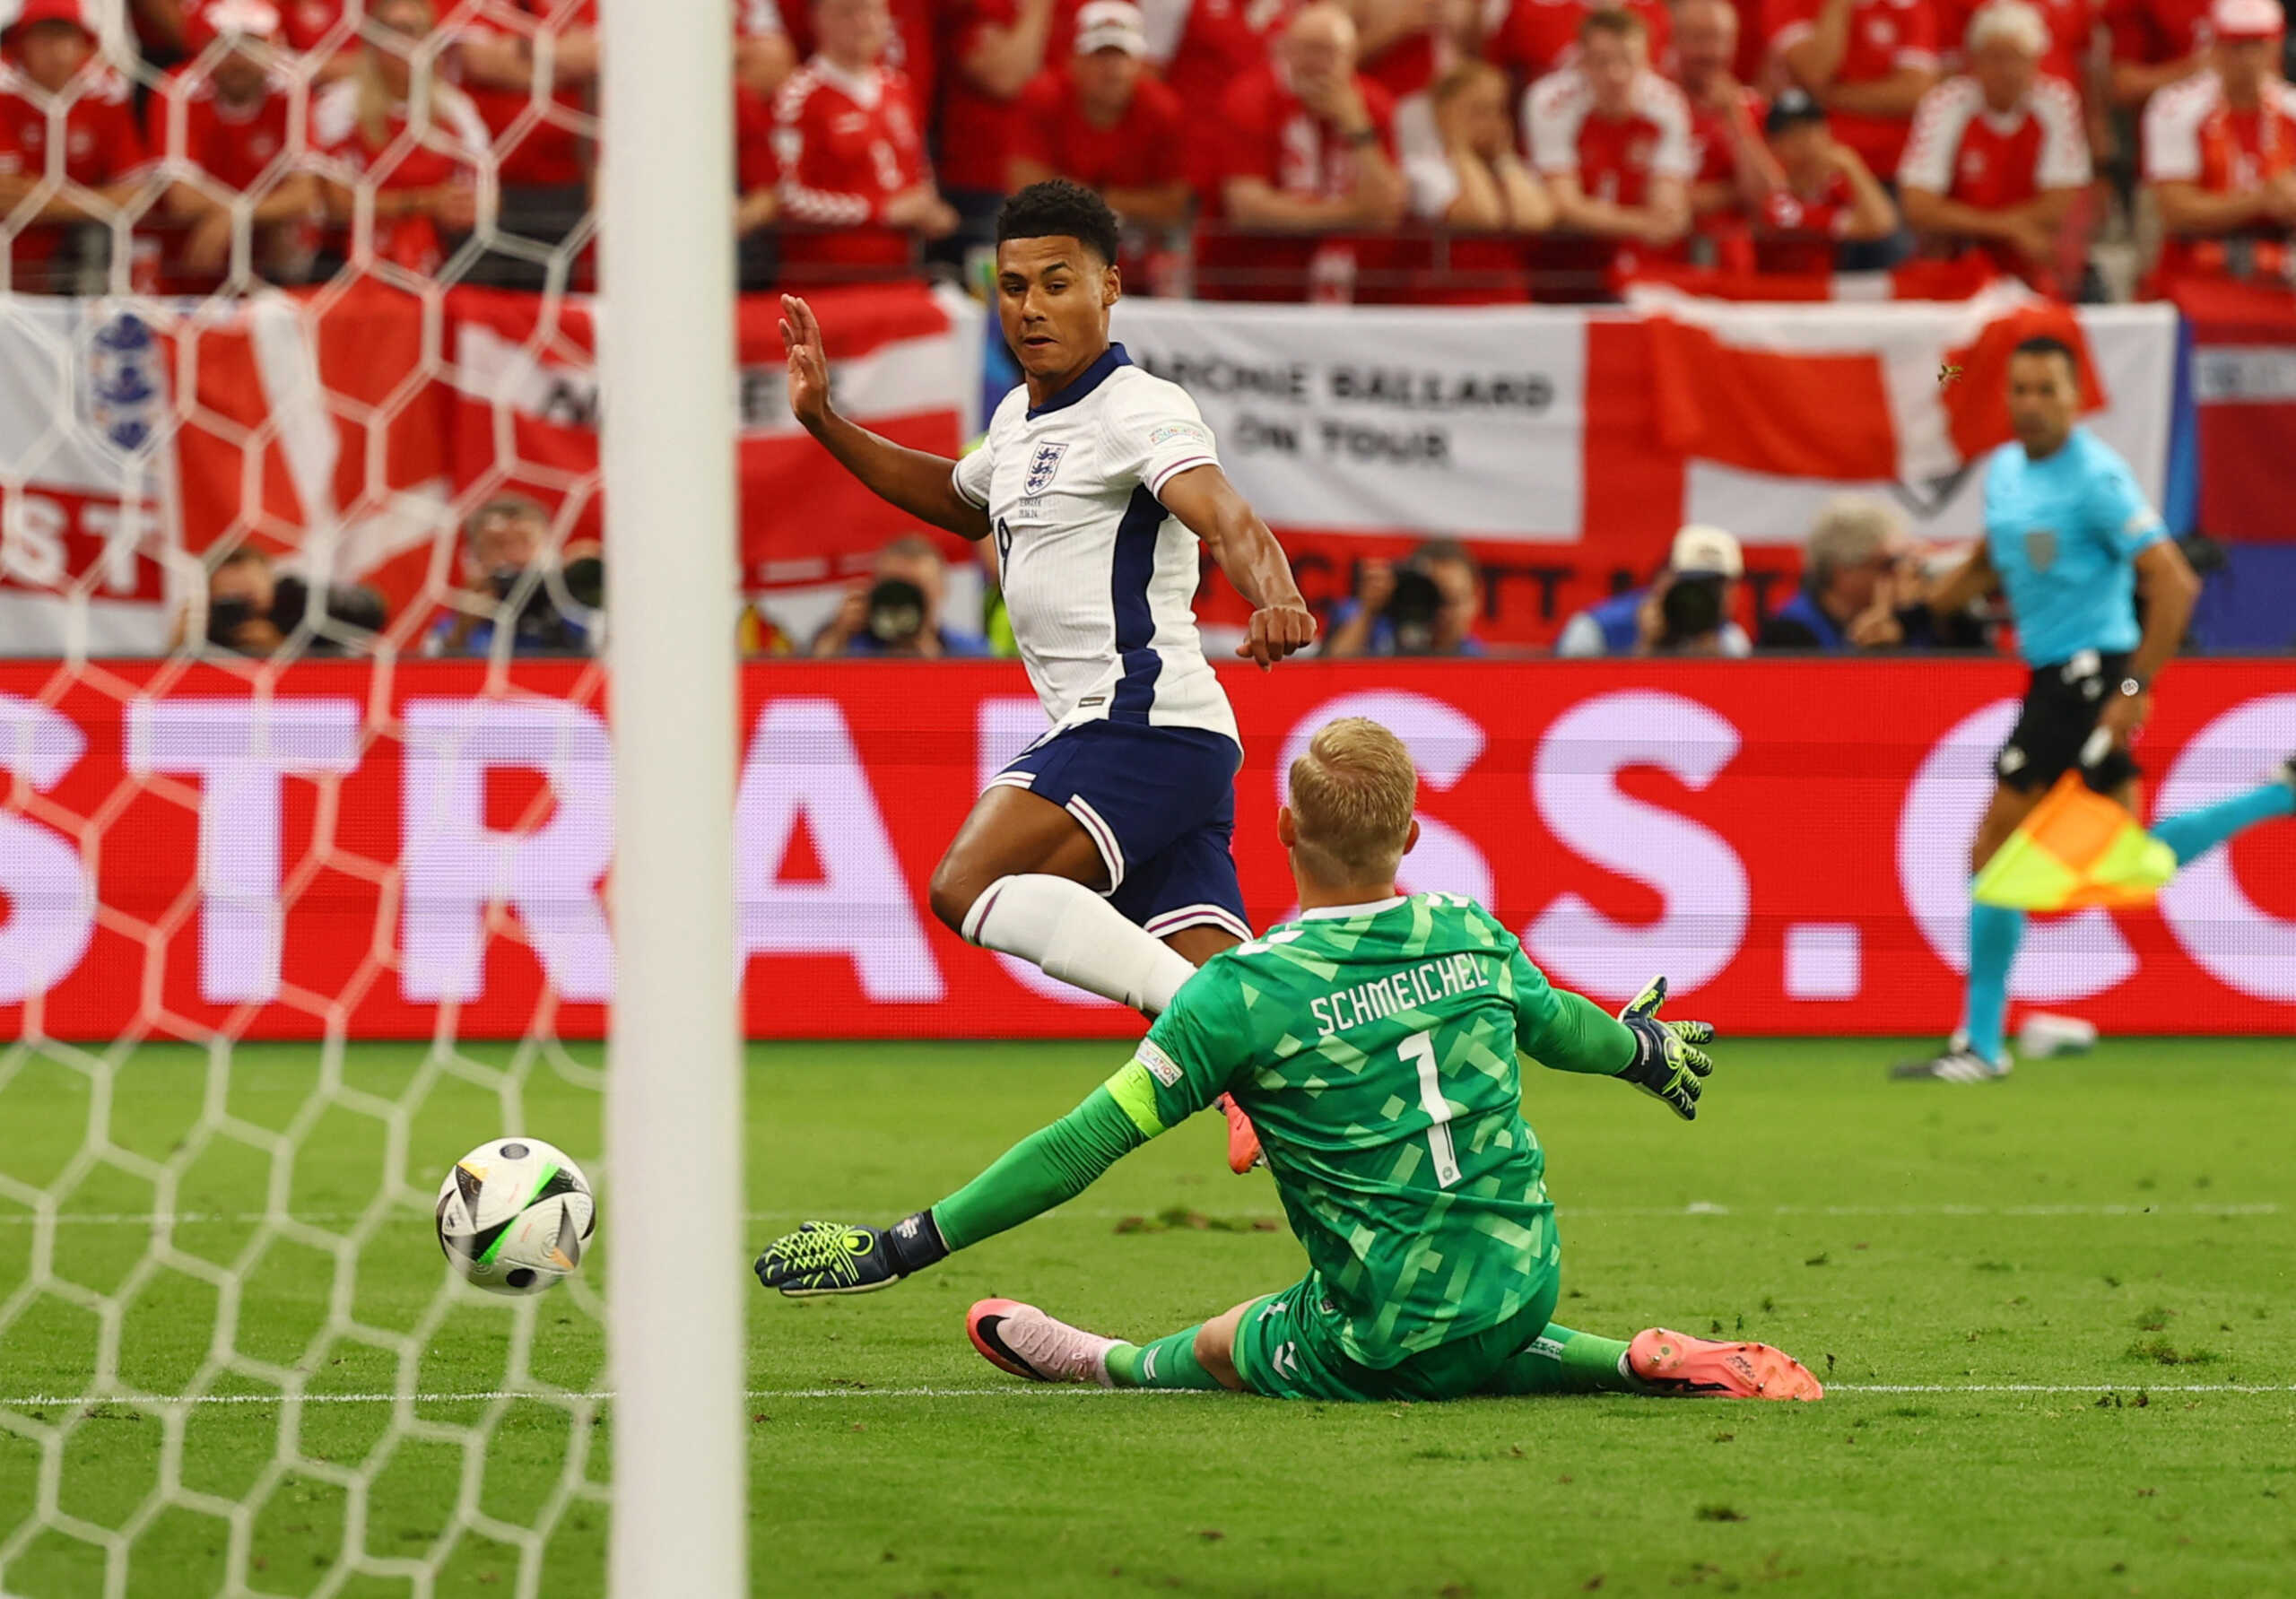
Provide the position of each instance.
(514, 1214)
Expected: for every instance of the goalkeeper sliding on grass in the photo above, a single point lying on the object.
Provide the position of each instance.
(1373, 1042)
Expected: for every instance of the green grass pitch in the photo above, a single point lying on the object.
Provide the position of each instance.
(2055, 1315)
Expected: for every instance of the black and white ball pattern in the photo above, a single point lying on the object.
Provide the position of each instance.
(515, 1215)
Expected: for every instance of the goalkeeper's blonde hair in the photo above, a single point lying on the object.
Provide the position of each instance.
(1351, 796)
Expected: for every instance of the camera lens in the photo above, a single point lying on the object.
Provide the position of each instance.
(896, 612)
(1692, 606)
(1412, 612)
(226, 616)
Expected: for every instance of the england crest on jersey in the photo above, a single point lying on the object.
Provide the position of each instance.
(1041, 467)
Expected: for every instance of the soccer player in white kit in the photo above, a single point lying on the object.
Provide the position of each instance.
(1102, 853)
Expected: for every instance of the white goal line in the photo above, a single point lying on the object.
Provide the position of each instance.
(1016, 1390)
(21, 1218)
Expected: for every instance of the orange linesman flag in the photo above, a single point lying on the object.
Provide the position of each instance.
(2078, 848)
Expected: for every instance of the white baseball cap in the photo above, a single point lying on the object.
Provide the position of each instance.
(2247, 18)
(1112, 25)
(1699, 548)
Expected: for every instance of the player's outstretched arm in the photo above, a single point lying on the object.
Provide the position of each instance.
(1048, 1168)
(1571, 1033)
(1207, 503)
(917, 480)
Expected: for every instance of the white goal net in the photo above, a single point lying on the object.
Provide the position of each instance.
(307, 799)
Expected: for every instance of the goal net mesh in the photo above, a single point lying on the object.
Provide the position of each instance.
(243, 834)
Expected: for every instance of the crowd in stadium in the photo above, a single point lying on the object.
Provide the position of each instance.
(1866, 587)
(1365, 149)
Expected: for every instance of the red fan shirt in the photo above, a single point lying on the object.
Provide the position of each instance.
(548, 150)
(1212, 44)
(846, 143)
(1202, 47)
(1264, 131)
(1994, 159)
(2155, 32)
(195, 131)
(1885, 36)
(1407, 67)
(978, 129)
(235, 146)
(1797, 234)
(451, 150)
(1710, 136)
(2192, 134)
(101, 145)
(1725, 230)
(1268, 134)
(1614, 160)
(1145, 148)
(911, 52)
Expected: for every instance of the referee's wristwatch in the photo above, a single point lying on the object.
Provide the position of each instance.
(2130, 687)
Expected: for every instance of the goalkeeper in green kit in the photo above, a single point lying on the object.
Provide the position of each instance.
(1373, 1042)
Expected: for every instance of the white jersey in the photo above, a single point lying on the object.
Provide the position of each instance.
(1099, 581)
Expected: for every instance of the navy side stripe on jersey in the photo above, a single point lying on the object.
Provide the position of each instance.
(1136, 624)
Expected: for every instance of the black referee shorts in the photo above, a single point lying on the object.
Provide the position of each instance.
(2062, 704)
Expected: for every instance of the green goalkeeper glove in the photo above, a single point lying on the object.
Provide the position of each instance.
(1667, 1062)
(825, 1257)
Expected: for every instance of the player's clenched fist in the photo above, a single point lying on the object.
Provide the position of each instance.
(1667, 1062)
(1277, 631)
(801, 336)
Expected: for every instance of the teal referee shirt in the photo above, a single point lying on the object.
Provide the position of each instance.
(2064, 533)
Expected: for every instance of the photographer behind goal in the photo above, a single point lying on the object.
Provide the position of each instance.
(1684, 612)
(253, 609)
(550, 602)
(896, 611)
(1426, 606)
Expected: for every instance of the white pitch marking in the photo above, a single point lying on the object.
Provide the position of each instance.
(162, 1401)
(2060, 1387)
(1018, 1390)
(21, 1218)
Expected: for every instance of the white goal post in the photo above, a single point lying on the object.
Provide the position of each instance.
(674, 1091)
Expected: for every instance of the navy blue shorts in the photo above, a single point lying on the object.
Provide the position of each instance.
(1160, 803)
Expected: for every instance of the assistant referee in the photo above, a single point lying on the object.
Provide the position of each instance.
(2071, 541)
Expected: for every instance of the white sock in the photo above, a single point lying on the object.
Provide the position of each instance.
(1079, 937)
